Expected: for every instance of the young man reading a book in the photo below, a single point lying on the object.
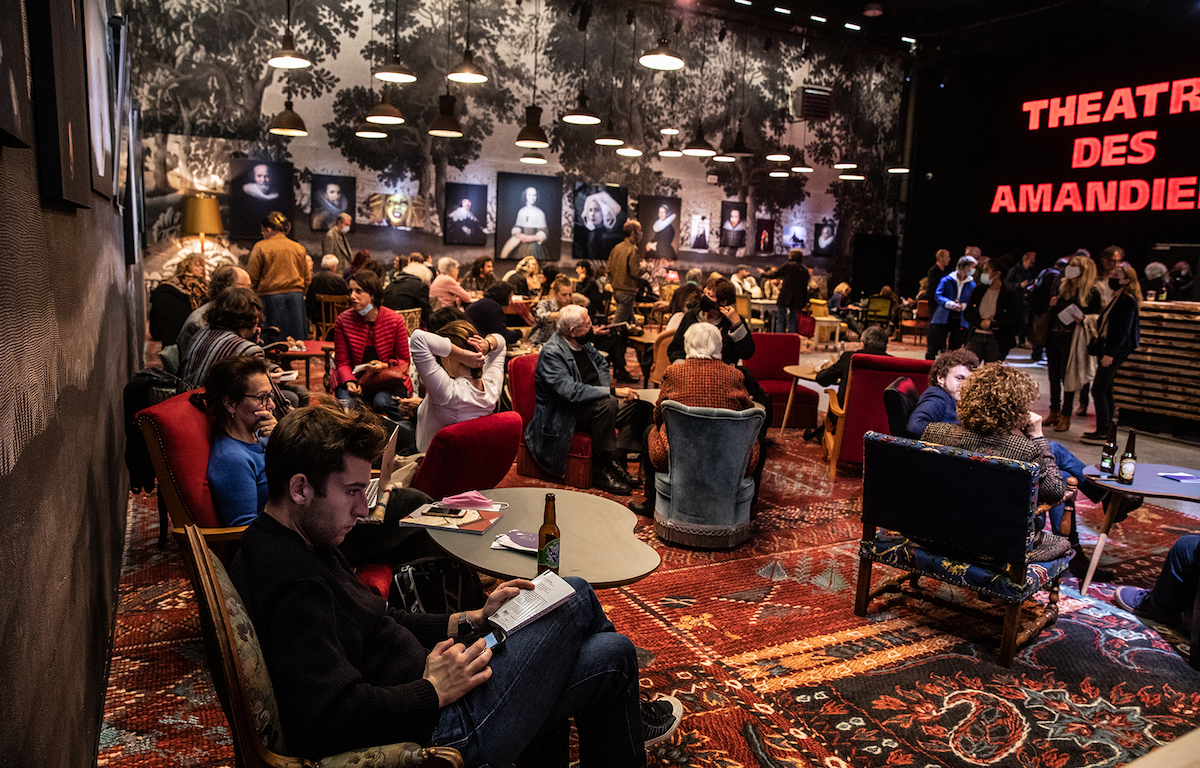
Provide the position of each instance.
(350, 672)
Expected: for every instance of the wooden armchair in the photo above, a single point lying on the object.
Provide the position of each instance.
(661, 343)
(919, 324)
(914, 519)
(331, 307)
(243, 683)
(864, 409)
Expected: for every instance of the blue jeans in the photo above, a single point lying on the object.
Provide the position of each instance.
(570, 663)
(785, 319)
(1070, 466)
(1176, 585)
(286, 312)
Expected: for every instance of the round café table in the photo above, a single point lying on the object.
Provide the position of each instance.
(1147, 482)
(598, 543)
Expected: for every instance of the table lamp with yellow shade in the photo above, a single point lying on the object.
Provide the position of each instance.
(201, 216)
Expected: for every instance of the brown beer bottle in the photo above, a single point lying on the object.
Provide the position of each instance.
(1108, 459)
(1128, 460)
(548, 539)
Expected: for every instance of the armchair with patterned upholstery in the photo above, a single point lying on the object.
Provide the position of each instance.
(962, 518)
(703, 500)
(243, 684)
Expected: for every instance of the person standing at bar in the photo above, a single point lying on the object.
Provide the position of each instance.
(280, 271)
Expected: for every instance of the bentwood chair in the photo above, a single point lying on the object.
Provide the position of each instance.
(243, 682)
(331, 307)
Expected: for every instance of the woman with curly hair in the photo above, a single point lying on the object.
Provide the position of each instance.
(994, 407)
(177, 297)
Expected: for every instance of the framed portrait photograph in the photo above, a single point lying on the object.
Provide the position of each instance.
(826, 232)
(600, 212)
(133, 200)
(699, 237)
(659, 217)
(733, 224)
(16, 109)
(795, 235)
(257, 187)
(528, 216)
(98, 46)
(396, 210)
(60, 115)
(764, 236)
(466, 214)
(331, 197)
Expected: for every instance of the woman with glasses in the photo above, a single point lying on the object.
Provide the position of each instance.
(238, 398)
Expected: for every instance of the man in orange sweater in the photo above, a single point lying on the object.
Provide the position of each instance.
(280, 271)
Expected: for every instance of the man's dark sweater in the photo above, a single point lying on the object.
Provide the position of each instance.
(346, 669)
(408, 292)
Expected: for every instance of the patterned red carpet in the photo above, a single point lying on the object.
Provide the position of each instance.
(763, 647)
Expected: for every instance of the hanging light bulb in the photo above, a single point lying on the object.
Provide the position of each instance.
(671, 150)
(699, 146)
(533, 157)
(661, 57)
(608, 137)
(532, 136)
(581, 114)
(287, 122)
(446, 125)
(845, 165)
(468, 71)
(778, 157)
(669, 131)
(366, 130)
(287, 57)
(395, 72)
(384, 113)
(629, 151)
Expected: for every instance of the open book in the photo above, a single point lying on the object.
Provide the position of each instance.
(531, 604)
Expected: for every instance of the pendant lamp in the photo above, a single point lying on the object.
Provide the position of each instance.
(533, 157)
(845, 165)
(608, 137)
(661, 57)
(851, 177)
(367, 130)
(468, 71)
(699, 146)
(669, 131)
(395, 72)
(581, 114)
(629, 151)
(778, 174)
(802, 167)
(671, 150)
(384, 113)
(286, 56)
(446, 124)
(532, 136)
(778, 157)
(287, 122)
(898, 170)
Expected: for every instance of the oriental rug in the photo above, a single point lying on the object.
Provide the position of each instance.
(762, 645)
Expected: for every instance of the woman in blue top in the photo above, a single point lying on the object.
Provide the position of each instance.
(238, 399)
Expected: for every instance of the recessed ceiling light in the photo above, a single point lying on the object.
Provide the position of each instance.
(850, 26)
(909, 40)
(851, 177)
(784, 11)
(820, 19)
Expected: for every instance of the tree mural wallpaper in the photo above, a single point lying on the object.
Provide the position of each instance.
(200, 73)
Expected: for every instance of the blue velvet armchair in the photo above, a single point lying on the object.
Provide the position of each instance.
(962, 518)
(704, 498)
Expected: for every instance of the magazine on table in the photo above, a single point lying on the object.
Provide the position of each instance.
(443, 517)
(531, 604)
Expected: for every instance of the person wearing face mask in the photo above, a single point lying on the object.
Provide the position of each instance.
(1118, 336)
(951, 295)
(1077, 287)
(574, 393)
(992, 313)
(336, 243)
(372, 339)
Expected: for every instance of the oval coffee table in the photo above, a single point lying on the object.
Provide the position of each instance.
(598, 543)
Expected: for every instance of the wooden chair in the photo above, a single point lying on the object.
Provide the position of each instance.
(825, 325)
(243, 683)
(741, 302)
(912, 520)
(877, 310)
(331, 307)
(661, 361)
(919, 324)
(412, 319)
(864, 409)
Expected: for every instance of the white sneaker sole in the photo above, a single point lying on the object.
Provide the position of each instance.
(676, 713)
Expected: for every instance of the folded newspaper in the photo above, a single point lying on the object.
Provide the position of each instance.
(550, 592)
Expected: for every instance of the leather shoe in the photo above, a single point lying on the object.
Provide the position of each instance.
(643, 508)
(607, 481)
(622, 474)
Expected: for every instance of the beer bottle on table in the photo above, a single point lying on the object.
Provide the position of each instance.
(1108, 459)
(1128, 460)
(548, 539)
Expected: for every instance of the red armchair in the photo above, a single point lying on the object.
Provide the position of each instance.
(469, 456)
(579, 463)
(773, 351)
(864, 409)
(179, 439)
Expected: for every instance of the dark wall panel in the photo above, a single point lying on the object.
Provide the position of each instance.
(69, 328)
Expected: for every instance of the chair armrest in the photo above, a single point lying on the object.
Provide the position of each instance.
(214, 534)
(834, 408)
(402, 755)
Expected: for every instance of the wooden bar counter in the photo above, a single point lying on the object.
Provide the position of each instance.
(1158, 387)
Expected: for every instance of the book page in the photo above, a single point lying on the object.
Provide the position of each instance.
(530, 604)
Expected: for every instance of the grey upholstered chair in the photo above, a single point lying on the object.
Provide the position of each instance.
(704, 498)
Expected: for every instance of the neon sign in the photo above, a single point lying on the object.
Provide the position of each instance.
(1129, 148)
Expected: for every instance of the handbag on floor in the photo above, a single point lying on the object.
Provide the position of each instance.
(436, 585)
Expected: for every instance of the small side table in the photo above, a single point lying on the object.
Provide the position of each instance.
(797, 372)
